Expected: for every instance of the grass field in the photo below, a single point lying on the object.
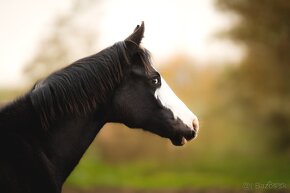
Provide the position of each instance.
(225, 174)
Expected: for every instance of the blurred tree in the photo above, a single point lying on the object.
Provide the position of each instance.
(261, 83)
(67, 41)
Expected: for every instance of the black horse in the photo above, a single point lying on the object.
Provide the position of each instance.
(45, 132)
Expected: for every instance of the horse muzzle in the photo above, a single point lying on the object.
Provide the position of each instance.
(183, 136)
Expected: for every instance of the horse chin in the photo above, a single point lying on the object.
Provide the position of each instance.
(180, 141)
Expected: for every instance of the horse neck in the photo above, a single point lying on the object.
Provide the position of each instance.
(70, 138)
(60, 147)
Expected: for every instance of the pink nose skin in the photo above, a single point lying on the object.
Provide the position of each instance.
(195, 125)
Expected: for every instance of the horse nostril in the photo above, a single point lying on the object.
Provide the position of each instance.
(195, 125)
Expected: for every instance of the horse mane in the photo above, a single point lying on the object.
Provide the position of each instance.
(81, 87)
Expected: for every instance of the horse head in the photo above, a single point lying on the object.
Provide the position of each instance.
(144, 99)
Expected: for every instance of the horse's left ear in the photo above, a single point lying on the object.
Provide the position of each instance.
(137, 35)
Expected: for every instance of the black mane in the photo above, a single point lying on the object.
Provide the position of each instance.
(82, 86)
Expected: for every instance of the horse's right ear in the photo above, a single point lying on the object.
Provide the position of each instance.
(137, 35)
(133, 41)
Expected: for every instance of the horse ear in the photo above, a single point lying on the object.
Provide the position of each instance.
(137, 35)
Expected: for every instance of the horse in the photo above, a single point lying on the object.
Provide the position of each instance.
(45, 132)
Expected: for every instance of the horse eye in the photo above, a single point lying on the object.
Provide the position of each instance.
(155, 81)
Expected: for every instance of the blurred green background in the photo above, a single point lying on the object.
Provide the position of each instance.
(243, 107)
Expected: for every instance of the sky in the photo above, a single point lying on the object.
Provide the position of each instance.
(171, 26)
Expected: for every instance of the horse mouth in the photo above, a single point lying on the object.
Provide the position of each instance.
(180, 140)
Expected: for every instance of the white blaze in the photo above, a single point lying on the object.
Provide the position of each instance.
(169, 100)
